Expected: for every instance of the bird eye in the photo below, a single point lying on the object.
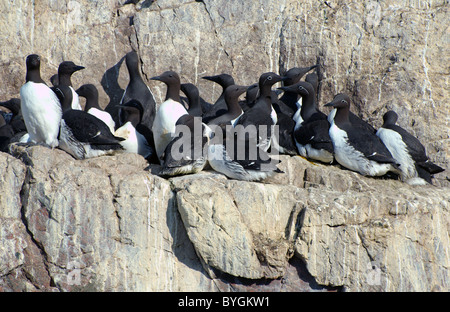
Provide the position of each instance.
(269, 78)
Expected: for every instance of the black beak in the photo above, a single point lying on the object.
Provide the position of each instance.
(292, 88)
(210, 78)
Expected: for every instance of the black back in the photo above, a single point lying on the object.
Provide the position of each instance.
(248, 155)
(416, 150)
(138, 90)
(193, 96)
(87, 128)
(367, 143)
(220, 106)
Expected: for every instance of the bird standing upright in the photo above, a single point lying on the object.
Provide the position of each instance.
(40, 106)
(65, 71)
(168, 113)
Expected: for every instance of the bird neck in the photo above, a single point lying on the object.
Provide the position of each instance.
(66, 105)
(134, 119)
(233, 106)
(34, 76)
(308, 106)
(342, 115)
(135, 75)
(173, 92)
(194, 100)
(91, 102)
(64, 79)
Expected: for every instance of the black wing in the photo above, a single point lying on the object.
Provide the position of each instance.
(415, 148)
(369, 144)
(87, 128)
(315, 133)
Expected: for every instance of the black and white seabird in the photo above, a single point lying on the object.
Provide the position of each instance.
(130, 120)
(83, 135)
(355, 147)
(291, 77)
(168, 113)
(219, 107)
(40, 106)
(90, 92)
(138, 90)
(65, 71)
(354, 119)
(186, 153)
(311, 132)
(261, 114)
(193, 97)
(415, 167)
(239, 158)
(234, 110)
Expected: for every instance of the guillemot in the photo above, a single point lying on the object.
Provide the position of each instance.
(261, 114)
(81, 134)
(40, 106)
(137, 140)
(311, 131)
(415, 167)
(234, 110)
(186, 153)
(168, 113)
(138, 90)
(65, 71)
(90, 92)
(355, 147)
(193, 97)
(219, 107)
(240, 158)
(291, 77)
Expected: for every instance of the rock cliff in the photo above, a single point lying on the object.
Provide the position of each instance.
(112, 224)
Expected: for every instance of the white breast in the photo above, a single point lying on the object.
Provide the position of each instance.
(41, 112)
(104, 116)
(394, 143)
(164, 124)
(75, 100)
(351, 158)
(331, 115)
(234, 121)
(134, 141)
(298, 119)
(274, 116)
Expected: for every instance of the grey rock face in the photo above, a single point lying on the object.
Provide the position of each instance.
(109, 224)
